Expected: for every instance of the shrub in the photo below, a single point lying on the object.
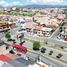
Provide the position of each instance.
(46, 42)
(52, 30)
(36, 45)
(7, 35)
(62, 24)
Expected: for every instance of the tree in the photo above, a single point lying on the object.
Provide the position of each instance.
(62, 24)
(52, 30)
(36, 45)
(7, 35)
(46, 42)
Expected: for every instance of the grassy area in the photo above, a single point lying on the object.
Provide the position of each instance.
(28, 13)
(28, 40)
(25, 39)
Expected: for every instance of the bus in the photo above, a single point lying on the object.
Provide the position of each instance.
(20, 48)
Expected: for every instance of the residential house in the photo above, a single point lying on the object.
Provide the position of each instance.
(30, 26)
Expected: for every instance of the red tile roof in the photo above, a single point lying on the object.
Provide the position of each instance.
(30, 25)
(4, 58)
(38, 27)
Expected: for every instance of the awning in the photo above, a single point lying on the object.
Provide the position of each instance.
(4, 58)
(19, 46)
(46, 29)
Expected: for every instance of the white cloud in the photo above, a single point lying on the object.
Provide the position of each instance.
(16, 3)
(48, 2)
(5, 4)
(51, 2)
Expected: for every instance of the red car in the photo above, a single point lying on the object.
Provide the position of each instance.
(20, 48)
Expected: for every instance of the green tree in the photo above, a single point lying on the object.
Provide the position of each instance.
(36, 45)
(46, 42)
(7, 35)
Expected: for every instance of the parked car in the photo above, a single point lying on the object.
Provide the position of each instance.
(21, 35)
(59, 55)
(43, 50)
(65, 49)
(51, 52)
(11, 39)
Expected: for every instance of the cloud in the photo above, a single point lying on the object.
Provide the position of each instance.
(14, 3)
(3, 3)
(26, 2)
(52, 2)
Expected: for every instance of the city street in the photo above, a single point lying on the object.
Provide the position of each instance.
(59, 42)
(45, 58)
(48, 60)
(33, 33)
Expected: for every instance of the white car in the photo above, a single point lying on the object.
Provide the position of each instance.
(65, 49)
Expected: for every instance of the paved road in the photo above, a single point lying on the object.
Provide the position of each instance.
(53, 39)
(57, 42)
(55, 33)
(49, 60)
(34, 37)
(46, 60)
(29, 36)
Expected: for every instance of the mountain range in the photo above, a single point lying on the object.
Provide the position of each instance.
(38, 6)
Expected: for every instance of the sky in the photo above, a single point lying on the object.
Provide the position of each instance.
(6, 3)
